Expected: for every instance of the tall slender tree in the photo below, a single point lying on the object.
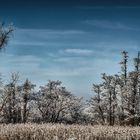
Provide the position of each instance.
(123, 83)
(26, 90)
(124, 66)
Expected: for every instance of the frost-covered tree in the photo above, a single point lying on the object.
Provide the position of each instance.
(97, 104)
(123, 85)
(110, 97)
(26, 97)
(16, 100)
(11, 108)
(104, 103)
(55, 103)
(132, 97)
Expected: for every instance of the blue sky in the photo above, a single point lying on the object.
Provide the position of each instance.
(73, 42)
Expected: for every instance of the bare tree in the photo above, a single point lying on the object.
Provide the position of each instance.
(5, 33)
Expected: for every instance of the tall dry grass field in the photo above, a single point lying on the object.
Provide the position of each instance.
(67, 132)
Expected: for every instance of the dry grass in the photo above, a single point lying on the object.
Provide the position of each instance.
(67, 132)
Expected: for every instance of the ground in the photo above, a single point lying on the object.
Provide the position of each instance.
(67, 132)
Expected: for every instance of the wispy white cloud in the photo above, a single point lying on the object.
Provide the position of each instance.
(49, 31)
(24, 59)
(19, 63)
(75, 51)
(44, 37)
(110, 25)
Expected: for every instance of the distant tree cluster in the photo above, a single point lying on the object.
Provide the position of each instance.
(52, 103)
(117, 98)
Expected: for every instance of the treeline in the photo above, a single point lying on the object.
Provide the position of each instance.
(52, 103)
